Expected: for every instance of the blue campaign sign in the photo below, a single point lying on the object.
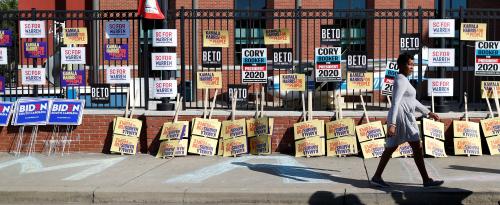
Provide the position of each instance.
(32, 111)
(66, 112)
(5, 112)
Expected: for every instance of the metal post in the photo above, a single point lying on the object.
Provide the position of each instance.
(183, 59)
(420, 60)
(402, 25)
(194, 51)
(95, 42)
(460, 65)
(145, 60)
(298, 39)
(440, 102)
(35, 87)
(164, 104)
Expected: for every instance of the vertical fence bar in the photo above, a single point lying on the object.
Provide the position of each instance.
(183, 58)
(420, 60)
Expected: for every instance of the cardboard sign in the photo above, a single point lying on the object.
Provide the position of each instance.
(124, 144)
(327, 64)
(2, 84)
(357, 61)
(254, 65)
(369, 131)
(330, 35)
(309, 129)
(117, 29)
(6, 38)
(164, 38)
(473, 31)
(260, 144)
(240, 90)
(441, 28)
(66, 112)
(33, 76)
(116, 52)
(234, 128)
(340, 128)
(493, 145)
(216, 38)
(3, 56)
(466, 129)
(313, 146)
(276, 36)
(73, 78)
(75, 36)
(202, 145)
(31, 111)
(118, 75)
(35, 50)
(282, 58)
(441, 57)
(360, 81)
(491, 126)
(235, 146)
(487, 88)
(127, 127)
(409, 43)
(6, 109)
(209, 80)
(391, 72)
(73, 55)
(100, 93)
(211, 57)
(32, 29)
(341, 146)
(173, 148)
(163, 61)
(434, 147)
(206, 127)
(174, 130)
(292, 82)
(440, 86)
(403, 150)
(251, 124)
(487, 58)
(433, 128)
(263, 126)
(373, 148)
(467, 146)
(165, 88)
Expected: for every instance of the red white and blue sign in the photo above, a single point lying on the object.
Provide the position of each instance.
(116, 52)
(5, 112)
(66, 112)
(6, 38)
(73, 78)
(32, 112)
(35, 49)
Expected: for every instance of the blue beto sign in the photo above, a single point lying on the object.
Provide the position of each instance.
(5, 111)
(66, 112)
(32, 112)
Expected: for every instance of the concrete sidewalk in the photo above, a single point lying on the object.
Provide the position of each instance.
(275, 179)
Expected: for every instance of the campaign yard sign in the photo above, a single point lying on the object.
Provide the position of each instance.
(434, 147)
(409, 43)
(391, 72)
(276, 36)
(118, 75)
(124, 144)
(373, 148)
(211, 57)
(491, 127)
(433, 128)
(117, 29)
(260, 144)
(33, 76)
(164, 61)
(6, 109)
(359, 80)
(35, 50)
(116, 52)
(254, 65)
(440, 87)
(330, 35)
(240, 90)
(73, 55)
(473, 31)
(487, 58)
(341, 146)
(3, 56)
(66, 112)
(100, 93)
(313, 146)
(165, 88)
(31, 111)
(292, 82)
(209, 80)
(32, 29)
(442, 28)
(73, 78)
(2, 84)
(216, 38)
(357, 61)
(487, 88)
(340, 128)
(6, 37)
(164, 38)
(493, 145)
(282, 58)
(465, 129)
(441, 57)
(308, 129)
(370, 131)
(73, 36)
(467, 146)
(327, 64)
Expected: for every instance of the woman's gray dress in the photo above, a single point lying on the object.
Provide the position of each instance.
(401, 114)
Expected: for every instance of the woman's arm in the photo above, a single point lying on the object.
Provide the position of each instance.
(398, 91)
(424, 110)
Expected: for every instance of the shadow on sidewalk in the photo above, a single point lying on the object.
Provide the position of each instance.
(474, 169)
(327, 198)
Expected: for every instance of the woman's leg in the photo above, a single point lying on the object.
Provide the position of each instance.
(383, 161)
(418, 156)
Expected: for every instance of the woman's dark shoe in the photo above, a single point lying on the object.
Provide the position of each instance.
(433, 183)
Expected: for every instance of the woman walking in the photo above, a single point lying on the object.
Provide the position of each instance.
(402, 125)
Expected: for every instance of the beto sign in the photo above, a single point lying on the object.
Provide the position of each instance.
(409, 43)
(211, 57)
(100, 93)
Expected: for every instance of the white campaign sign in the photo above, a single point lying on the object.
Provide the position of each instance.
(165, 88)
(441, 57)
(440, 86)
(33, 76)
(163, 61)
(254, 65)
(73, 55)
(118, 75)
(3, 56)
(164, 38)
(442, 28)
(117, 29)
(32, 29)
(487, 61)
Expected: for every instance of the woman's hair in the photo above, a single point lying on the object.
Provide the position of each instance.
(403, 60)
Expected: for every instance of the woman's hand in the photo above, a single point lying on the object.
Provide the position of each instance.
(434, 116)
(391, 130)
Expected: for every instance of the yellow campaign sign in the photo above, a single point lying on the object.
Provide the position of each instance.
(473, 31)
(75, 36)
(262, 126)
(487, 89)
(216, 38)
(167, 148)
(174, 130)
(340, 128)
(341, 146)
(433, 128)
(402, 150)
(235, 146)
(467, 146)
(313, 146)
(220, 148)
(206, 127)
(360, 80)
(127, 126)
(202, 145)
(310, 128)
(465, 129)
(368, 131)
(493, 145)
(276, 36)
(491, 126)
(260, 145)
(373, 148)
(434, 147)
(209, 80)
(292, 82)
(251, 123)
(124, 144)
(234, 128)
